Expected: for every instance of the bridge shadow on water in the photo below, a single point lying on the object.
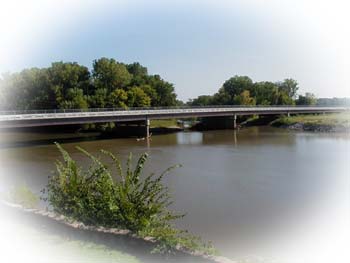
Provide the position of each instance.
(49, 141)
(27, 138)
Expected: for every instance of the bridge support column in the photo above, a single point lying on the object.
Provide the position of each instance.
(235, 121)
(288, 114)
(147, 124)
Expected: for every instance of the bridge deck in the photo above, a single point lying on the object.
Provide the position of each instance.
(58, 117)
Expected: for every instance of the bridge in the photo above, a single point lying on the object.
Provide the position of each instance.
(34, 118)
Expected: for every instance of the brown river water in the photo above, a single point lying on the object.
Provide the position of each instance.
(250, 192)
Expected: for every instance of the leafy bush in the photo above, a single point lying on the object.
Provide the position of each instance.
(140, 204)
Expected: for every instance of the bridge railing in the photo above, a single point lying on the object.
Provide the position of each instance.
(21, 112)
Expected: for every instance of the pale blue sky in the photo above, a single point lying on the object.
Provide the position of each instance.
(196, 45)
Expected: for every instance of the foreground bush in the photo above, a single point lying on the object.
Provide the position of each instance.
(95, 197)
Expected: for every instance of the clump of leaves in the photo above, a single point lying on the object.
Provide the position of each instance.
(24, 196)
(95, 196)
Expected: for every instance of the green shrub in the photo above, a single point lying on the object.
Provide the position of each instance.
(95, 197)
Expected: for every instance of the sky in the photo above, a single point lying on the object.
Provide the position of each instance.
(194, 44)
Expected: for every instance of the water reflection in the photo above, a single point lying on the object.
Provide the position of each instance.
(189, 138)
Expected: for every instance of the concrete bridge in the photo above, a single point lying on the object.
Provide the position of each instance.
(34, 118)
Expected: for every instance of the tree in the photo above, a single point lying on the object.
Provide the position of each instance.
(151, 93)
(180, 103)
(99, 99)
(222, 98)
(64, 76)
(109, 74)
(136, 69)
(202, 100)
(290, 87)
(230, 89)
(236, 85)
(241, 90)
(284, 99)
(165, 91)
(244, 99)
(75, 99)
(265, 93)
(118, 99)
(308, 99)
(55, 87)
(25, 90)
(138, 98)
(139, 74)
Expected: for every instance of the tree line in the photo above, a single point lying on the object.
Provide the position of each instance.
(241, 90)
(112, 84)
(68, 85)
(333, 101)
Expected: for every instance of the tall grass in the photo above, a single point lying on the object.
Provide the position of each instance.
(140, 204)
(331, 119)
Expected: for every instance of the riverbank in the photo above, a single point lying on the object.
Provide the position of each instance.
(37, 240)
(136, 247)
(339, 122)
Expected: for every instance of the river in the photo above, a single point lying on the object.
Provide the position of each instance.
(251, 192)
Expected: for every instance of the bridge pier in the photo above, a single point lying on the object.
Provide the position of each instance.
(235, 121)
(147, 125)
(288, 114)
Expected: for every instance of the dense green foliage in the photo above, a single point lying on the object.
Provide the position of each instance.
(67, 85)
(107, 196)
(241, 90)
(111, 84)
(308, 99)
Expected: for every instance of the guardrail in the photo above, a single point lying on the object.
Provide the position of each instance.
(29, 118)
(22, 112)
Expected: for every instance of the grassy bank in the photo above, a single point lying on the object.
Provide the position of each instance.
(339, 121)
(56, 248)
(321, 119)
(26, 237)
(168, 123)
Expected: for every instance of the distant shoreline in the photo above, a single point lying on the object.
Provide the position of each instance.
(315, 123)
(314, 127)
